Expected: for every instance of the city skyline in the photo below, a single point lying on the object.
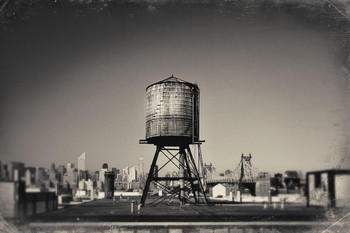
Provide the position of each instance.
(140, 168)
(272, 87)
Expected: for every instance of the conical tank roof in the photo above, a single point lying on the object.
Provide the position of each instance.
(173, 79)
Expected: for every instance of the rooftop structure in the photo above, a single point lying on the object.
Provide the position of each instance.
(172, 124)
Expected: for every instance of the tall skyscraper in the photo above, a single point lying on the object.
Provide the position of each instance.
(133, 176)
(125, 173)
(141, 168)
(103, 171)
(82, 162)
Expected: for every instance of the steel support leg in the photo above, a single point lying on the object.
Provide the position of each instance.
(191, 182)
(181, 175)
(150, 177)
(196, 173)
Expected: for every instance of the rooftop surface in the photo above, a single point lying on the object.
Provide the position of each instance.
(102, 215)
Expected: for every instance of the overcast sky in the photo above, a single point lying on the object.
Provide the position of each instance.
(269, 86)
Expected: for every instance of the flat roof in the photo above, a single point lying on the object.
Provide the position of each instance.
(120, 211)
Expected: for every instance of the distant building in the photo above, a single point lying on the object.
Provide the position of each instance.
(115, 170)
(173, 182)
(263, 183)
(40, 177)
(70, 165)
(5, 173)
(86, 188)
(96, 175)
(102, 172)
(291, 174)
(16, 171)
(167, 182)
(82, 185)
(66, 185)
(100, 186)
(219, 190)
(119, 177)
(17, 202)
(134, 185)
(142, 177)
(89, 185)
(125, 173)
(71, 177)
(328, 188)
(223, 190)
(30, 176)
(120, 185)
(61, 169)
(54, 176)
(82, 162)
(292, 184)
(83, 175)
(141, 166)
(52, 167)
(276, 183)
(133, 174)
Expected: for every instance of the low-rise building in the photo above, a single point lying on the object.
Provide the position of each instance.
(222, 190)
(329, 188)
(263, 184)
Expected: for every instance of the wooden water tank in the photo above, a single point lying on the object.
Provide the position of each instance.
(172, 112)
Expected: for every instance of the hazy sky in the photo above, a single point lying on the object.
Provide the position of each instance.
(270, 86)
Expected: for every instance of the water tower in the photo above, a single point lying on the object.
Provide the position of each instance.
(172, 125)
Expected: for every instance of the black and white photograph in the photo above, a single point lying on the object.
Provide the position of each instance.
(175, 116)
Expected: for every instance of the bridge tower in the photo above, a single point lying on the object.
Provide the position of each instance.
(247, 174)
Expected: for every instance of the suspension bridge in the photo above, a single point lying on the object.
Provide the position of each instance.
(244, 175)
